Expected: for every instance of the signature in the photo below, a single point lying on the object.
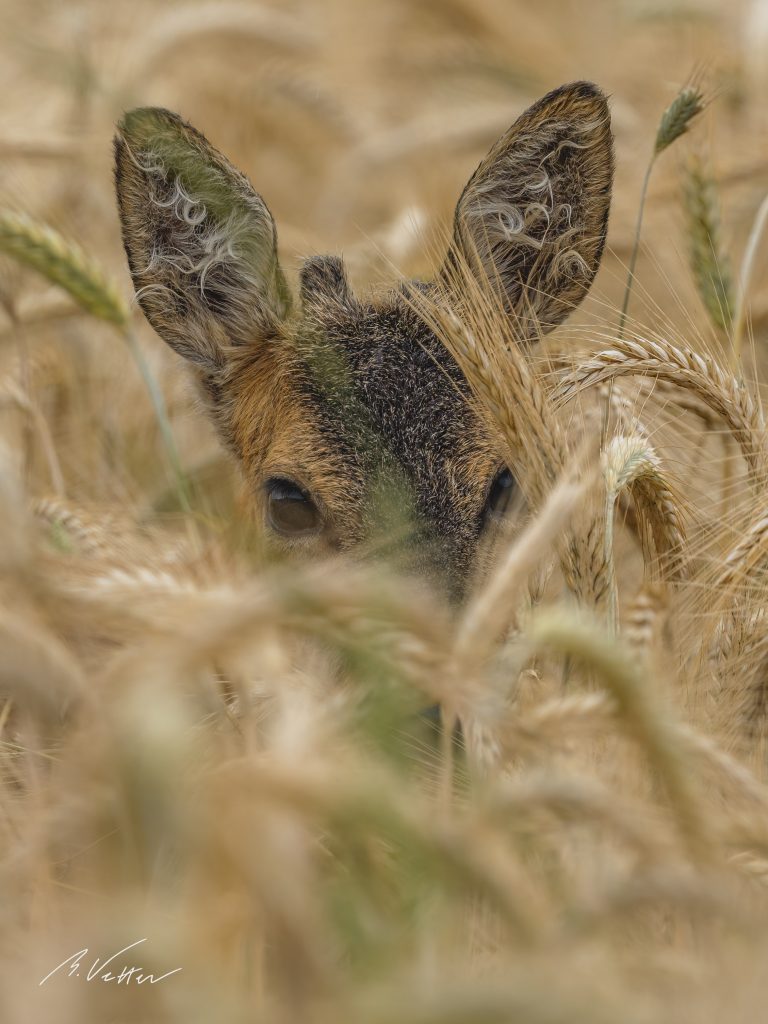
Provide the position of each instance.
(100, 970)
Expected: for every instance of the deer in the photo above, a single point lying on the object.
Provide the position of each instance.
(325, 398)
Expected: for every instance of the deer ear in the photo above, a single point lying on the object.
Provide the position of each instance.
(201, 244)
(533, 218)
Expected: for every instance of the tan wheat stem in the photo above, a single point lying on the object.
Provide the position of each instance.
(511, 398)
(674, 122)
(651, 724)
(745, 280)
(489, 610)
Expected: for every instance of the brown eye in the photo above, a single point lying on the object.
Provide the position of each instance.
(500, 495)
(290, 509)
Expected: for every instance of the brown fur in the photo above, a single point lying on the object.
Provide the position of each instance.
(357, 401)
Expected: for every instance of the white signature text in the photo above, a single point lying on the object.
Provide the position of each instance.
(104, 970)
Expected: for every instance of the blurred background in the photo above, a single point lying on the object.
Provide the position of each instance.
(359, 123)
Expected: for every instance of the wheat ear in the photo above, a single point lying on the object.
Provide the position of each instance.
(746, 555)
(709, 262)
(640, 624)
(675, 121)
(64, 264)
(630, 463)
(717, 388)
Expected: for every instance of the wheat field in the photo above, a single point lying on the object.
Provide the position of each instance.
(213, 762)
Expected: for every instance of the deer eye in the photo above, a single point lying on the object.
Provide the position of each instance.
(290, 510)
(500, 495)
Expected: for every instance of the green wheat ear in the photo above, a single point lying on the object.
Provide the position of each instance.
(62, 263)
(676, 119)
(709, 262)
(674, 122)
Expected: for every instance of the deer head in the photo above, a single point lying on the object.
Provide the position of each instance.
(331, 402)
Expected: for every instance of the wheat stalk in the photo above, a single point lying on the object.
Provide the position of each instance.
(16, 392)
(653, 727)
(37, 671)
(64, 264)
(510, 397)
(488, 612)
(187, 23)
(577, 799)
(745, 279)
(675, 121)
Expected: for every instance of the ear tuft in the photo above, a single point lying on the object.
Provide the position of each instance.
(201, 244)
(322, 280)
(533, 218)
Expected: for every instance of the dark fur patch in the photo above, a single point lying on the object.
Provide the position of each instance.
(384, 391)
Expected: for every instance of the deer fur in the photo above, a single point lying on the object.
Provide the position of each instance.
(355, 398)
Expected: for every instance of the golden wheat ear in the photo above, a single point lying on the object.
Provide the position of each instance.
(201, 244)
(533, 217)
